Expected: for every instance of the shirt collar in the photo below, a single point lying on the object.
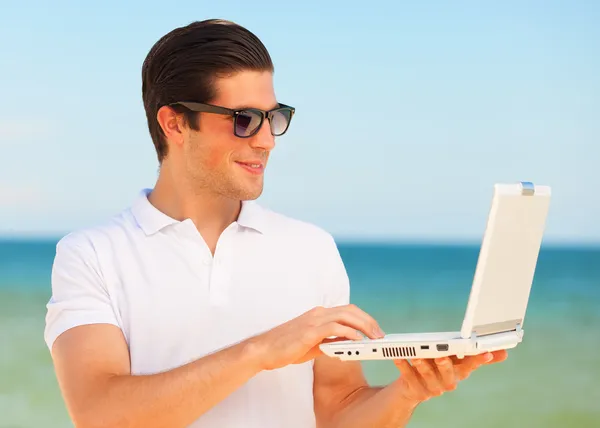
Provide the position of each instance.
(152, 220)
(253, 216)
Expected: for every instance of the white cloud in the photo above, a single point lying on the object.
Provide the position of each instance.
(21, 129)
(20, 196)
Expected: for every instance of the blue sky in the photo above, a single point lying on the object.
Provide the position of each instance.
(408, 112)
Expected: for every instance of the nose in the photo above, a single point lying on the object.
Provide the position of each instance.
(263, 139)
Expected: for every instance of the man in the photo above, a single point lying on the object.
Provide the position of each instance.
(198, 307)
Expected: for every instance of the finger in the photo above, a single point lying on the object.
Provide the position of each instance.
(370, 327)
(471, 363)
(447, 376)
(334, 339)
(406, 370)
(312, 339)
(352, 316)
(457, 361)
(429, 375)
(498, 356)
(414, 387)
(318, 334)
(484, 358)
(468, 359)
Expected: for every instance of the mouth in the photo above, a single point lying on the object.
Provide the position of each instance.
(253, 167)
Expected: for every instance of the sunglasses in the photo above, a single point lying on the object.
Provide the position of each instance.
(247, 122)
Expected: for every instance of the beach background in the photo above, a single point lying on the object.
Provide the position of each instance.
(549, 381)
(407, 114)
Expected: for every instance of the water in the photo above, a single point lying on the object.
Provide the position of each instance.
(550, 380)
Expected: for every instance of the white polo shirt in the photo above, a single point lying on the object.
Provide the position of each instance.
(155, 278)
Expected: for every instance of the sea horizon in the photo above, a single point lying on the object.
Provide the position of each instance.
(351, 240)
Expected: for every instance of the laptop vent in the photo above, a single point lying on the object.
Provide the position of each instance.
(399, 351)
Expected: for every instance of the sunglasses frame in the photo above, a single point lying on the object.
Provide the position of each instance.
(209, 108)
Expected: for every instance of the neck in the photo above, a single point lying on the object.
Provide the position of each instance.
(210, 212)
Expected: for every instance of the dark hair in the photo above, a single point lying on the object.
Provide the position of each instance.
(184, 63)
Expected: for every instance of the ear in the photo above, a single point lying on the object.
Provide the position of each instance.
(172, 125)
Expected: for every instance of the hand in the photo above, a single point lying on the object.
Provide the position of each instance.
(422, 379)
(298, 340)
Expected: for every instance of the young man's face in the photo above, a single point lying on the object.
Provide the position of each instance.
(217, 160)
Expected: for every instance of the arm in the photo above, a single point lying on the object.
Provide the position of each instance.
(92, 367)
(343, 398)
(91, 356)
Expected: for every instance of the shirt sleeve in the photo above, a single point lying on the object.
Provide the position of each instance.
(337, 281)
(79, 294)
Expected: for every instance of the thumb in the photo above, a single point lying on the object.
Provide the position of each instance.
(334, 339)
(313, 353)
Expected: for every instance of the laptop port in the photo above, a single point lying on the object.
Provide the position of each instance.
(424, 346)
(442, 347)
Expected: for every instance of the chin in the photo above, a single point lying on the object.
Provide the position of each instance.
(251, 195)
(247, 193)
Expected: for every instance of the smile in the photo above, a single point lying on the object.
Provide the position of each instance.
(253, 167)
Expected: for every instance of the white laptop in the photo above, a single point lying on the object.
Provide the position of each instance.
(499, 293)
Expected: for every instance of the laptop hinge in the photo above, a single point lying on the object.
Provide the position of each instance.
(496, 327)
(519, 331)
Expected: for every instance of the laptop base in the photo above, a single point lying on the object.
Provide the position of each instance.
(421, 345)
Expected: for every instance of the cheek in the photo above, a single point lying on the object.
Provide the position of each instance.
(216, 157)
(214, 154)
(212, 148)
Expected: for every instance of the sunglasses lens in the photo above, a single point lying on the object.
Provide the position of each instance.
(247, 122)
(280, 121)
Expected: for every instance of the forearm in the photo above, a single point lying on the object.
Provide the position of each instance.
(174, 398)
(375, 407)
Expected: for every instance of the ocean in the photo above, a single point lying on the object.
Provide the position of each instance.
(552, 379)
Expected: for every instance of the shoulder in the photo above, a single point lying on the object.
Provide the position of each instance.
(79, 292)
(91, 241)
